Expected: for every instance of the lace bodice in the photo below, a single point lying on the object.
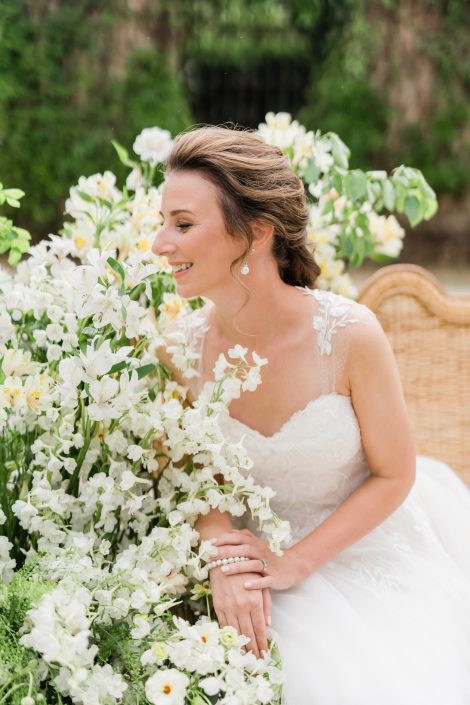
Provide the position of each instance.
(316, 459)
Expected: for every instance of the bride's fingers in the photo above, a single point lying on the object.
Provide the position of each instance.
(259, 583)
(246, 628)
(232, 621)
(254, 566)
(267, 606)
(233, 551)
(222, 619)
(231, 539)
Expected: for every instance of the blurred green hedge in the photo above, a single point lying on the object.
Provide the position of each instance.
(66, 88)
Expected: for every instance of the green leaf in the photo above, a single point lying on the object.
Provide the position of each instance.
(13, 203)
(356, 185)
(311, 173)
(381, 258)
(123, 154)
(118, 367)
(413, 210)
(15, 193)
(388, 195)
(14, 257)
(90, 331)
(114, 264)
(145, 370)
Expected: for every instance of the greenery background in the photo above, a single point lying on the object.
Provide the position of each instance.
(392, 77)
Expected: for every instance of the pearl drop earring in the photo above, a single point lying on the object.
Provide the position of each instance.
(245, 268)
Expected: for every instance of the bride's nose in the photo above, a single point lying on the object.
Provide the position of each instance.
(162, 244)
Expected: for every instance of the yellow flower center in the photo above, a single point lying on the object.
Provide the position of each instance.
(11, 394)
(167, 689)
(80, 242)
(143, 245)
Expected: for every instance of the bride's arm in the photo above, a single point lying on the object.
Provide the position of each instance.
(379, 404)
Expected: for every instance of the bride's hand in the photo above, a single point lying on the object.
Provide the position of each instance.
(277, 572)
(248, 611)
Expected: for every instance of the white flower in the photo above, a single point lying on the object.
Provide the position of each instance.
(238, 351)
(7, 329)
(7, 564)
(167, 687)
(153, 145)
(16, 362)
(135, 179)
(211, 685)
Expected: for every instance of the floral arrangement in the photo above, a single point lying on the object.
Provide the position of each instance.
(104, 463)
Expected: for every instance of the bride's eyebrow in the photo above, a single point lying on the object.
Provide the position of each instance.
(179, 210)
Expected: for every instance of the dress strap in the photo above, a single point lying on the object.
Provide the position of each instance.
(331, 321)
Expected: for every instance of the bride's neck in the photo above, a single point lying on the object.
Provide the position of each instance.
(269, 312)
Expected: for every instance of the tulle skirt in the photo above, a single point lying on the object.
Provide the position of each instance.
(387, 621)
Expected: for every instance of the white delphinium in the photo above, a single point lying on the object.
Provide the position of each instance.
(60, 630)
(197, 432)
(7, 564)
(153, 145)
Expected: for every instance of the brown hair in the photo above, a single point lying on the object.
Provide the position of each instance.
(255, 181)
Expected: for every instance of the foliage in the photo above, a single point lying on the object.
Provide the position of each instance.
(12, 239)
(344, 97)
(60, 95)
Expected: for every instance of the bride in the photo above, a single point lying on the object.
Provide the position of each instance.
(371, 600)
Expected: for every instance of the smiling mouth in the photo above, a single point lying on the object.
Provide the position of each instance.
(181, 267)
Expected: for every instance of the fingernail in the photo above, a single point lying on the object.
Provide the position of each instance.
(269, 619)
(213, 540)
(248, 585)
(264, 653)
(225, 568)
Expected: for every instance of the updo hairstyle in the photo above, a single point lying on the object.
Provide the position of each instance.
(254, 181)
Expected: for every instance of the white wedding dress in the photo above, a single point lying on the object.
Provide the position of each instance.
(386, 621)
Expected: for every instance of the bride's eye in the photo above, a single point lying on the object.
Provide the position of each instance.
(183, 226)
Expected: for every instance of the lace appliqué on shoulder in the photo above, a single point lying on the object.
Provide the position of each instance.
(334, 313)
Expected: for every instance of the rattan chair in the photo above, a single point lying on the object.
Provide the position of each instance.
(429, 331)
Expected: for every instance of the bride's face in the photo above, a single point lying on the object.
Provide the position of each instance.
(193, 237)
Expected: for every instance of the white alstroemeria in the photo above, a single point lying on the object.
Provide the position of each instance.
(172, 307)
(16, 363)
(387, 234)
(96, 187)
(102, 392)
(99, 361)
(279, 129)
(82, 234)
(153, 145)
(7, 328)
(11, 393)
(135, 179)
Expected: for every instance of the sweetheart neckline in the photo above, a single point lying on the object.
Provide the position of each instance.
(293, 416)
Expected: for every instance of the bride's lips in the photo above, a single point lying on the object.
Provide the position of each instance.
(180, 273)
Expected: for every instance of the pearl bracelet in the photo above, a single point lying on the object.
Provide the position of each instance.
(225, 561)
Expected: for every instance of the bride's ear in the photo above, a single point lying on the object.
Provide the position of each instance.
(263, 232)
